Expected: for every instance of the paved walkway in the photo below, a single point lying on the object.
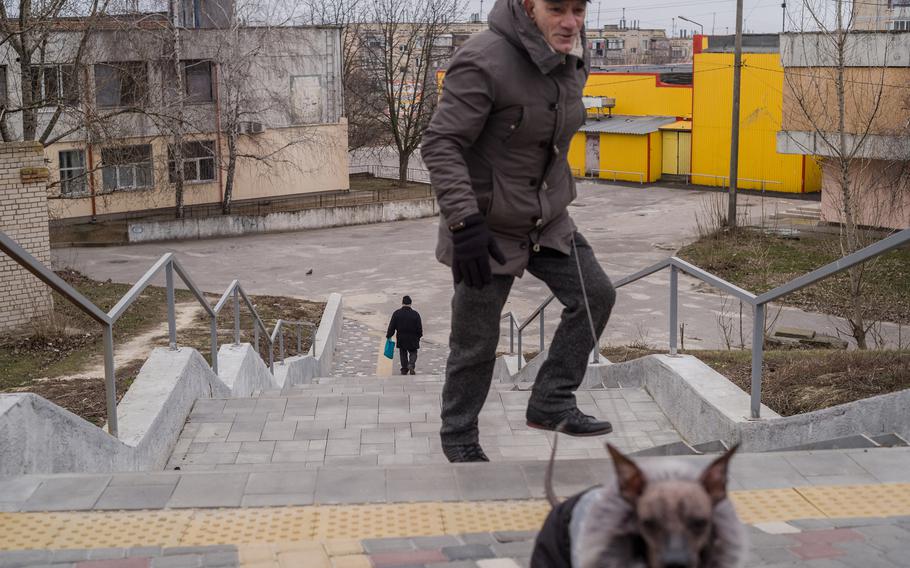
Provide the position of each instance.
(395, 420)
(825, 509)
(358, 348)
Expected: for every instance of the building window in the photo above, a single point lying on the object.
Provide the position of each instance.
(901, 25)
(72, 172)
(198, 162)
(898, 3)
(120, 84)
(126, 167)
(54, 84)
(198, 75)
(616, 43)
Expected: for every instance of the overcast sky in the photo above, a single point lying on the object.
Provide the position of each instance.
(758, 15)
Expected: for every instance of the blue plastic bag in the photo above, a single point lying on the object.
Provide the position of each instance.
(389, 348)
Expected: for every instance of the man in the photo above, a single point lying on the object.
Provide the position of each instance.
(406, 322)
(496, 151)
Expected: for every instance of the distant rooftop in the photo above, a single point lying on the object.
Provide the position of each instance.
(624, 124)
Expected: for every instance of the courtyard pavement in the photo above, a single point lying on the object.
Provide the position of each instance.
(373, 266)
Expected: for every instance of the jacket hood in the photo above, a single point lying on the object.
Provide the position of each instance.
(509, 19)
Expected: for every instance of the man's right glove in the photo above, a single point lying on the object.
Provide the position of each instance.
(474, 245)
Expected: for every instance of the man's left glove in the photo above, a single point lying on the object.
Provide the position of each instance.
(474, 245)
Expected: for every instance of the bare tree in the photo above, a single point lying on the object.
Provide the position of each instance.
(402, 46)
(840, 99)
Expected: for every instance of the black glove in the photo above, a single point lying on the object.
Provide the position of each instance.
(474, 245)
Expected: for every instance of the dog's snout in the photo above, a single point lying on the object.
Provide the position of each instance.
(675, 554)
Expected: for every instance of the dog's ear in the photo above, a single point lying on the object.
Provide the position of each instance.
(629, 476)
(714, 478)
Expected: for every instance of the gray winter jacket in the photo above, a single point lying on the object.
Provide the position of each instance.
(499, 139)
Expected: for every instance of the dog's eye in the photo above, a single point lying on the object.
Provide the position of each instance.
(650, 525)
(698, 525)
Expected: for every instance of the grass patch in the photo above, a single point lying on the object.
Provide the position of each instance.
(759, 262)
(68, 342)
(799, 381)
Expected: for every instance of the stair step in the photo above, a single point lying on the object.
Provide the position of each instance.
(891, 440)
(845, 443)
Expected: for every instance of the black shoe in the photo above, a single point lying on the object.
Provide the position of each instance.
(412, 372)
(404, 371)
(574, 422)
(457, 453)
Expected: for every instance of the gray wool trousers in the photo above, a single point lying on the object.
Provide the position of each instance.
(475, 335)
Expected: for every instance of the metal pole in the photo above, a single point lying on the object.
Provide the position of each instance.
(236, 316)
(734, 135)
(272, 357)
(110, 383)
(171, 309)
(299, 341)
(542, 328)
(215, 344)
(281, 343)
(758, 344)
(256, 336)
(511, 334)
(519, 350)
(674, 316)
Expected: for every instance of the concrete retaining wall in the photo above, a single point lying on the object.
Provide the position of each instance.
(236, 225)
(37, 436)
(243, 371)
(703, 406)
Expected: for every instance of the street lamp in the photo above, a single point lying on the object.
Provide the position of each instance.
(694, 22)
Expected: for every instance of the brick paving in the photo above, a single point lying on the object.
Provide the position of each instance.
(384, 421)
(358, 348)
(829, 543)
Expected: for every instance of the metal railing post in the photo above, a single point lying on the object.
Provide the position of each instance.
(758, 345)
(236, 316)
(674, 308)
(281, 343)
(519, 350)
(299, 339)
(110, 380)
(542, 329)
(214, 326)
(511, 334)
(272, 357)
(171, 308)
(256, 336)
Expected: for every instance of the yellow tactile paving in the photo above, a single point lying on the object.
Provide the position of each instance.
(766, 505)
(860, 500)
(266, 535)
(250, 526)
(380, 521)
(494, 516)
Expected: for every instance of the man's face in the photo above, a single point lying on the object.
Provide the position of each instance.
(560, 21)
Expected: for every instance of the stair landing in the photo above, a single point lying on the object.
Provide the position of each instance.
(369, 421)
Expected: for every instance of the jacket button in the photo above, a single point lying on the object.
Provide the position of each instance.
(538, 223)
(532, 182)
(544, 186)
(536, 247)
(556, 149)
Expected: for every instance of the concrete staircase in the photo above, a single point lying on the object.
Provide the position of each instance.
(383, 421)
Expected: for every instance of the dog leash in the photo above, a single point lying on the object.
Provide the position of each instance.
(584, 295)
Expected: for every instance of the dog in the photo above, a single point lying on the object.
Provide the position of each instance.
(666, 514)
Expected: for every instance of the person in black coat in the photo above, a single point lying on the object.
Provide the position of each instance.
(406, 323)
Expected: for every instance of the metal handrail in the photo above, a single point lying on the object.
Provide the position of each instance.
(277, 335)
(170, 265)
(758, 302)
(641, 175)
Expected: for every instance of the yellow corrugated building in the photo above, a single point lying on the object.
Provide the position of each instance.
(698, 145)
(760, 166)
(641, 94)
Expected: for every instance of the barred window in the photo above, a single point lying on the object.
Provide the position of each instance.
(72, 172)
(127, 167)
(198, 162)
